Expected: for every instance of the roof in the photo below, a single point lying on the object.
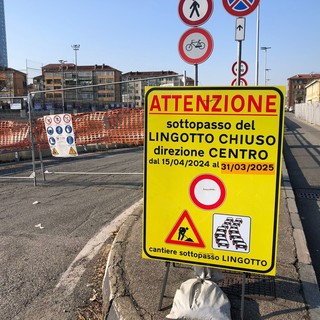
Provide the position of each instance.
(72, 66)
(5, 69)
(312, 83)
(148, 74)
(305, 76)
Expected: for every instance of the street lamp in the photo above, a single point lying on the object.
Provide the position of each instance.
(62, 82)
(265, 49)
(267, 71)
(76, 47)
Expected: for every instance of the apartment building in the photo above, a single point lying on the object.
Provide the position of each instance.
(313, 91)
(13, 83)
(297, 85)
(134, 83)
(68, 86)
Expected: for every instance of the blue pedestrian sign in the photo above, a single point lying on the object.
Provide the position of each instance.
(240, 8)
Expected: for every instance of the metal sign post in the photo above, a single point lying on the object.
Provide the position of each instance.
(239, 62)
(196, 44)
(240, 36)
(32, 141)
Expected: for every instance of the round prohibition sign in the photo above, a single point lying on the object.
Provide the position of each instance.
(207, 192)
(243, 68)
(243, 82)
(57, 119)
(195, 45)
(194, 13)
(48, 120)
(240, 8)
(67, 118)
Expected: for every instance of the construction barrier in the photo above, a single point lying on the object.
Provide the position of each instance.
(14, 135)
(120, 126)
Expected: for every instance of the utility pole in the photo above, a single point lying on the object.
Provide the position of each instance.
(62, 82)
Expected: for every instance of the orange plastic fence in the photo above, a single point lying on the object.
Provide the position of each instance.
(120, 126)
(14, 135)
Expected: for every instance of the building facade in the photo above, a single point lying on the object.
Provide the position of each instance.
(313, 91)
(3, 38)
(13, 86)
(68, 86)
(134, 83)
(296, 87)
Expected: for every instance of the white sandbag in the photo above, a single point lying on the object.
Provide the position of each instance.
(200, 299)
(212, 274)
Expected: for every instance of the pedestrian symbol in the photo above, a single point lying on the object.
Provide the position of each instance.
(195, 9)
(185, 233)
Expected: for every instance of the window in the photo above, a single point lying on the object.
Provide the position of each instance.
(85, 74)
(104, 73)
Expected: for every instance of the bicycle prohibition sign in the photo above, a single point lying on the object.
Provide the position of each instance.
(195, 44)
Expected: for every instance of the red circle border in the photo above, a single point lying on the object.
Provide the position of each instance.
(216, 180)
(208, 52)
(198, 22)
(240, 13)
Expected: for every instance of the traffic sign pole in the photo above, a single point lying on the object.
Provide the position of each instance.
(239, 36)
(196, 74)
(196, 44)
(239, 62)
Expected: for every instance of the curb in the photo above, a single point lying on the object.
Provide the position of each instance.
(304, 266)
(115, 295)
(118, 304)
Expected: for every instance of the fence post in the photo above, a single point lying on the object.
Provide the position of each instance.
(32, 140)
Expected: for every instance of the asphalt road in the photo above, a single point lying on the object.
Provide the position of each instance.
(49, 234)
(302, 155)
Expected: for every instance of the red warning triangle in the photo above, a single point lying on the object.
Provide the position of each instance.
(185, 233)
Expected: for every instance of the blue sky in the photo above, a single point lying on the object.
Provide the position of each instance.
(143, 35)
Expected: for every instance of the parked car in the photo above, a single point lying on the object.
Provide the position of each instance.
(289, 108)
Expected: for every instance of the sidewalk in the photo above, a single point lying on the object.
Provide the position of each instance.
(132, 285)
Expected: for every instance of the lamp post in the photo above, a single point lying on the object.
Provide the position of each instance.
(265, 49)
(62, 82)
(76, 47)
(267, 71)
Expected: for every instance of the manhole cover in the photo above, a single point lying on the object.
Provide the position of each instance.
(311, 194)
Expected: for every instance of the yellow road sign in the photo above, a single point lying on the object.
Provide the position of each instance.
(212, 174)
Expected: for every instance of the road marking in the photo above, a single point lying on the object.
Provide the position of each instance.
(72, 275)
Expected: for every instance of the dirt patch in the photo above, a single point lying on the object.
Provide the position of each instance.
(93, 309)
